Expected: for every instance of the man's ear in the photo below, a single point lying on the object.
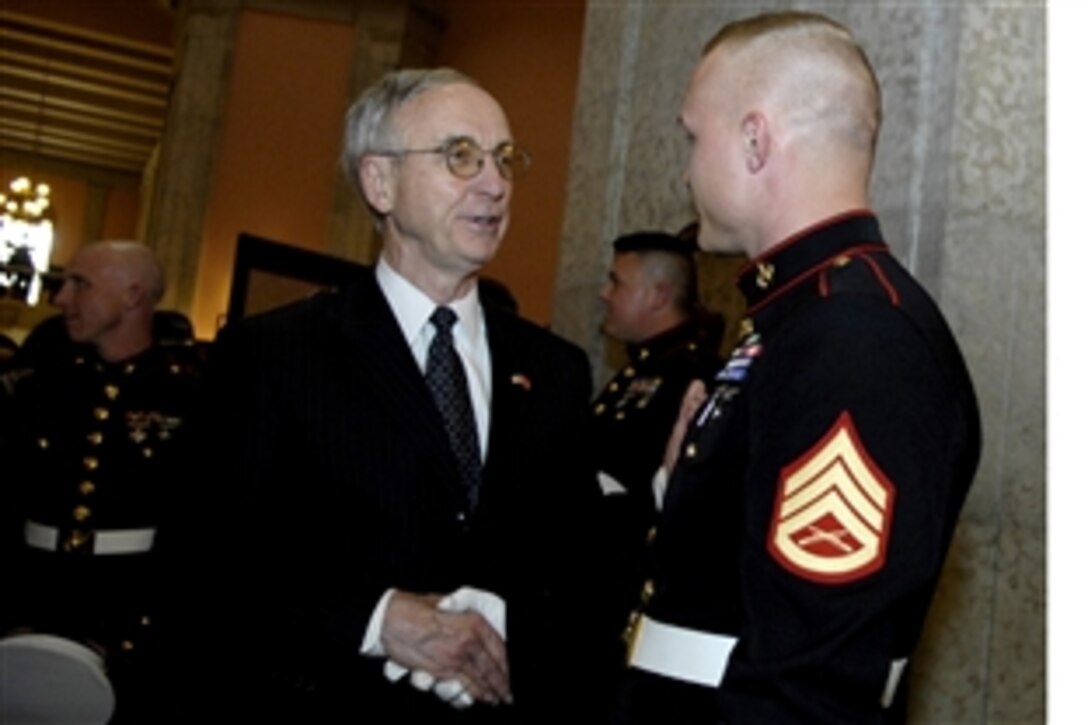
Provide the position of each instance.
(376, 180)
(661, 296)
(133, 295)
(757, 140)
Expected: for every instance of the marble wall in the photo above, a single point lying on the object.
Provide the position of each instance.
(960, 188)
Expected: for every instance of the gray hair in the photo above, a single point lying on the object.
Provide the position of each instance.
(368, 125)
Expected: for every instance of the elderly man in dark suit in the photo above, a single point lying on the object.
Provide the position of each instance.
(401, 504)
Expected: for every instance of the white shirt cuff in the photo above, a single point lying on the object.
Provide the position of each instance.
(372, 640)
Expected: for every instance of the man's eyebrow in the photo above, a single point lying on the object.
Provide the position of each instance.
(458, 138)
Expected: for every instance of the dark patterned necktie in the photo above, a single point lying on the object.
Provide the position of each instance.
(445, 377)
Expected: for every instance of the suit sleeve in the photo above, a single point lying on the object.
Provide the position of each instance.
(261, 617)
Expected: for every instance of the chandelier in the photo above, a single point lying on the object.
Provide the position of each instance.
(26, 239)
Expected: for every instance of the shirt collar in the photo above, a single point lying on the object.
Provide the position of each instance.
(413, 308)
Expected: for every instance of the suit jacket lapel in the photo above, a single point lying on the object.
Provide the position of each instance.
(377, 349)
(510, 377)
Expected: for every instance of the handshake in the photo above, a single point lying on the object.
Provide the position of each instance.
(453, 645)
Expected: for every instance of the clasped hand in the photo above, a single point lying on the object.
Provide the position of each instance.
(458, 646)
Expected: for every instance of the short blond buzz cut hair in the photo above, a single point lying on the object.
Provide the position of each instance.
(813, 67)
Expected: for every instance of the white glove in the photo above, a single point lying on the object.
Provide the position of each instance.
(609, 485)
(659, 484)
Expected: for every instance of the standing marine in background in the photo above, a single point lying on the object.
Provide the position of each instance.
(92, 436)
(652, 306)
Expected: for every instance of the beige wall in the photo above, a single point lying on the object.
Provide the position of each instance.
(275, 161)
(526, 54)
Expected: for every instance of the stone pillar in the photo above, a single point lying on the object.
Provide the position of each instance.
(597, 173)
(186, 160)
(390, 34)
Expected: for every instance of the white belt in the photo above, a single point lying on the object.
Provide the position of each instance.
(106, 541)
(701, 657)
(680, 653)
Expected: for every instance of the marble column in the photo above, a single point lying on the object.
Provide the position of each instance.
(390, 34)
(186, 158)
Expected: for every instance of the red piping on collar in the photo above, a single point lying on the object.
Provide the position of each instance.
(779, 246)
(850, 252)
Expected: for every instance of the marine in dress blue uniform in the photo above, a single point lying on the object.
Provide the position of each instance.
(651, 301)
(94, 435)
(815, 489)
(94, 445)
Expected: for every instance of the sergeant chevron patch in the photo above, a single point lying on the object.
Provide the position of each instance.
(833, 510)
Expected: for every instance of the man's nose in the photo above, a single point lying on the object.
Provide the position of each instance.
(490, 180)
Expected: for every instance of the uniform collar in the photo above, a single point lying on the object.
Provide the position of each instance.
(792, 259)
(683, 334)
(87, 355)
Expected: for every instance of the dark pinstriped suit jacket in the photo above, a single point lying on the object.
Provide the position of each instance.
(337, 482)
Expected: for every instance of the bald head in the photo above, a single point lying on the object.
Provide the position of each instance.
(109, 297)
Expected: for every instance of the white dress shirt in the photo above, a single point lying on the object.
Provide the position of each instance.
(413, 309)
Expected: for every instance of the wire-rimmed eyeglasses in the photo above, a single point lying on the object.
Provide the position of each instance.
(465, 158)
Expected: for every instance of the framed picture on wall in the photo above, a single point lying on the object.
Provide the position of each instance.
(269, 274)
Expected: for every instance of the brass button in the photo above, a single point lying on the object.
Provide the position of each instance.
(112, 391)
(95, 438)
(691, 450)
(127, 645)
(629, 372)
(841, 261)
(651, 535)
(80, 360)
(76, 540)
(175, 368)
(647, 591)
(747, 327)
(90, 463)
(620, 415)
(148, 452)
(101, 414)
(145, 621)
(86, 488)
(613, 386)
(81, 513)
(130, 368)
(599, 408)
(43, 443)
(643, 354)
(764, 275)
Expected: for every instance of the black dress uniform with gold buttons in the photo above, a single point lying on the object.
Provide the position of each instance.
(632, 419)
(93, 448)
(805, 525)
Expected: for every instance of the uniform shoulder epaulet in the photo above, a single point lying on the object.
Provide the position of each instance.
(859, 274)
